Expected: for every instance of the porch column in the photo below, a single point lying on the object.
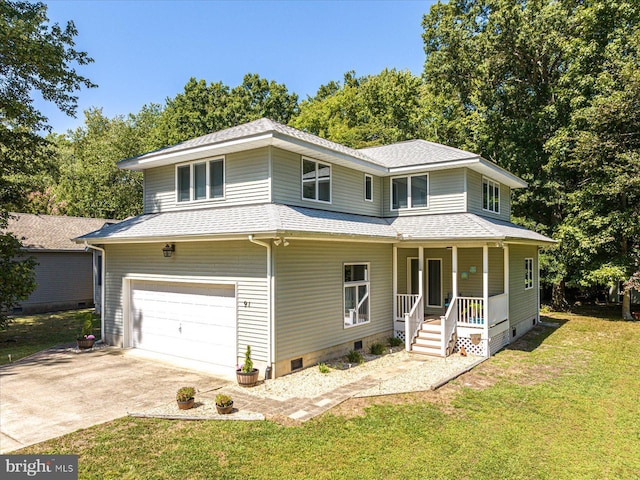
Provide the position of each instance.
(505, 251)
(394, 279)
(421, 272)
(485, 277)
(454, 271)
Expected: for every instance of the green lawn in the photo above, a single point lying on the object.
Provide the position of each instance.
(31, 333)
(562, 403)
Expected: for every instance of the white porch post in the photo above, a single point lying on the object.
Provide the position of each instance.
(485, 293)
(421, 272)
(454, 271)
(394, 279)
(505, 250)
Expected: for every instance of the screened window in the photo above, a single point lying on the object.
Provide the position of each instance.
(409, 192)
(368, 188)
(490, 195)
(528, 273)
(356, 294)
(200, 180)
(316, 181)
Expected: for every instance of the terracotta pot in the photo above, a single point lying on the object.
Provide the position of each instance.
(224, 410)
(186, 405)
(247, 379)
(85, 343)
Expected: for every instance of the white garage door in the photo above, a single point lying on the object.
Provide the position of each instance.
(195, 322)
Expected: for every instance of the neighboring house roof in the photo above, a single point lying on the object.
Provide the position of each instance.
(50, 232)
(283, 220)
(386, 160)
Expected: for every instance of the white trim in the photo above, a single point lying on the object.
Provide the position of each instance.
(103, 287)
(409, 199)
(270, 303)
(368, 176)
(208, 198)
(528, 273)
(441, 283)
(357, 284)
(394, 279)
(490, 184)
(302, 181)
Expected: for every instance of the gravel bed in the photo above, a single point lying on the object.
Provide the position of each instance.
(201, 410)
(398, 372)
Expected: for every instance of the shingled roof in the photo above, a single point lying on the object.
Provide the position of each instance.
(50, 232)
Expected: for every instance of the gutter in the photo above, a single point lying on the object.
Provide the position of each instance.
(103, 289)
(270, 302)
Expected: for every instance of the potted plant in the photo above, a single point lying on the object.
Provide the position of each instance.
(86, 338)
(246, 375)
(185, 397)
(224, 404)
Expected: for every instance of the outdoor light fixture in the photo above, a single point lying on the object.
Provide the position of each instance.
(277, 242)
(280, 241)
(168, 250)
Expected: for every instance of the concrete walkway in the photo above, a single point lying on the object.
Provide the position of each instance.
(59, 391)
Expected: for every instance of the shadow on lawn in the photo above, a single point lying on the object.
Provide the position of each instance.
(537, 335)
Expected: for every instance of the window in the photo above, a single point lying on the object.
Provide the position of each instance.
(368, 188)
(490, 195)
(316, 181)
(409, 192)
(200, 180)
(356, 294)
(528, 273)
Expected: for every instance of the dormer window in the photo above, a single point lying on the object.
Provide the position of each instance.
(410, 192)
(200, 180)
(490, 195)
(316, 181)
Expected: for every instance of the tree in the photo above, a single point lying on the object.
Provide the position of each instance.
(34, 57)
(511, 79)
(365, 111)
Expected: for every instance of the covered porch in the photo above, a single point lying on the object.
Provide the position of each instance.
(452, 296)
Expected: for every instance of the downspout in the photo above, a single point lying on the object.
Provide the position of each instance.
(271, 362)
(103, 288)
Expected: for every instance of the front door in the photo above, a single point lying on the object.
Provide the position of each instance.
(434, 282)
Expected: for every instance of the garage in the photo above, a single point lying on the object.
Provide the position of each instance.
(190, 321)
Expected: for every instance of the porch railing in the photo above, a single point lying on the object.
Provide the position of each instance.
(449, 323)
(413, 322)
(471, 312)
(404, 304)
(498, 308)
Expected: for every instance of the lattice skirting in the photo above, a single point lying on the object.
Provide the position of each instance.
(479, 349)
(499, 341)
(399, 334)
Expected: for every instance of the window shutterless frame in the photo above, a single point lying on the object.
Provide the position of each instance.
(356, 288)
(528, 273)
(368, 188)
(490, 195)
(409, 192)
(316, 181)
(200, 180)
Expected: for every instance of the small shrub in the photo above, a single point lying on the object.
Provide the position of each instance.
(395, 341)
(185, 394)
(247, 367)
(545, 309)
(223, 400)
(324, 368)
(376, 349)
(355, 357)
(87, 327)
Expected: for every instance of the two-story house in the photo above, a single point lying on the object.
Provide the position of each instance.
(303, 248)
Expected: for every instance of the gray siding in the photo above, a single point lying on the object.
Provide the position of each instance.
(246, 181)
(523, 304)
(309, 295)
(64, 280)
(242, 262)
(347, 186)
(446, 194)
(472, 286)
(474, 197)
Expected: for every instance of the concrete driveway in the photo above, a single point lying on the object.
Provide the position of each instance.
(57, 391)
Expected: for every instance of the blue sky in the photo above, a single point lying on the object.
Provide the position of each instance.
(146, 51)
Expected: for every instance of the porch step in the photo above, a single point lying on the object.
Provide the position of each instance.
(428, 339)
(424, 350)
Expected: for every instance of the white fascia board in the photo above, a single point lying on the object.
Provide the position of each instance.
(159, 158)
(478, 164)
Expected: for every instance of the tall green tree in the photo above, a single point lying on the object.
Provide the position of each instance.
(365, 111)
(510, 79)
(34, 57)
